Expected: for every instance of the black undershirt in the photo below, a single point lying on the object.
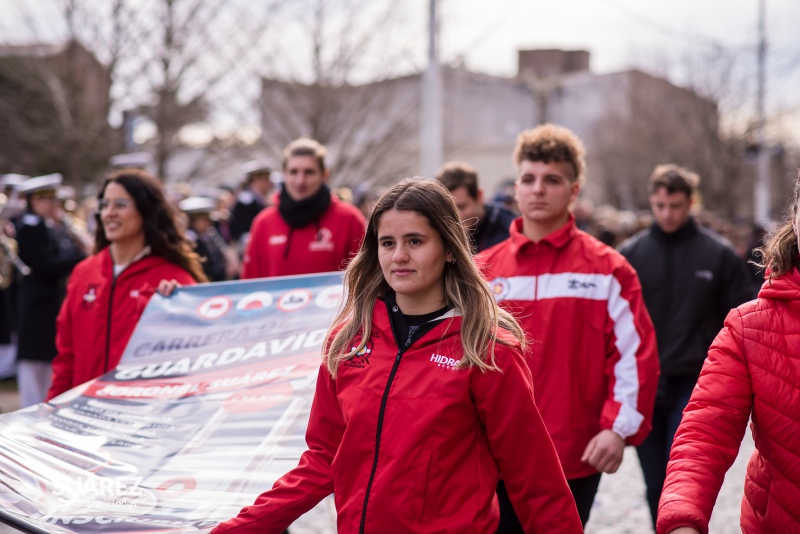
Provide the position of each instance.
(408, 328)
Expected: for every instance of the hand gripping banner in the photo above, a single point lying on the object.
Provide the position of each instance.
(207, 408)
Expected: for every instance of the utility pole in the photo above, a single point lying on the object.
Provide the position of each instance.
(762, 186)
(431, 115)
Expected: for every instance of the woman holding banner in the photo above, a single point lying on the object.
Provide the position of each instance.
(137, 244)
(424, 399)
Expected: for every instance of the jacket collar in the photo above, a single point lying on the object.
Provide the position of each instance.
(786, 287)
(684, 232)
(135, 266)
(381, 319)
(556, 240)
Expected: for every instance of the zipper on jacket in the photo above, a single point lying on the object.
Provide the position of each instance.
(410, 339)
(384, 400)
(108, 322)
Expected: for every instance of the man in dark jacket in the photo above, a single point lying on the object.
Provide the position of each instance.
(488, 223)
(51, 253)
(253, 198)
(691, 278)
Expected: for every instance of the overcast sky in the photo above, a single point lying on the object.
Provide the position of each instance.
(655, 35)
(624, 33)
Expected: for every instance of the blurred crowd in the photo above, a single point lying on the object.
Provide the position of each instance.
(217, 222)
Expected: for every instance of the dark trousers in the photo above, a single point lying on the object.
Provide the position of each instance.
(674, 394)
(583, 491)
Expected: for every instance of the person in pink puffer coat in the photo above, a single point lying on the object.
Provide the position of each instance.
(752, 370)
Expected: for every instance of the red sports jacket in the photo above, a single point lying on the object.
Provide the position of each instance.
(275, 249)
(409, 444)
(752, 372)
(593, 353)
(98, 315)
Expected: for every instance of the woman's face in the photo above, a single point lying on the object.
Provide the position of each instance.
(412, 255)
(122, 222)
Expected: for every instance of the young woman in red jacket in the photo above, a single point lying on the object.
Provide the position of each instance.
(423, 399)
(752, 373)
(137, 245)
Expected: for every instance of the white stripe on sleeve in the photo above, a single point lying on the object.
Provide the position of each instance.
(514, 288)
(626, 386)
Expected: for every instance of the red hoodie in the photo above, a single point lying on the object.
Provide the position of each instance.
(275, 249)
(592, 346)
(99, 314)
(752, 372)
(408, 444)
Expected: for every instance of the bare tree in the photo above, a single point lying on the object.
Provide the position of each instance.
(171, 63)
(707, 126)
(327, 70)
(54, 105)
(345, 91)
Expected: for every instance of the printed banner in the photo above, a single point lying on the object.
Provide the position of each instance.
(207, 408)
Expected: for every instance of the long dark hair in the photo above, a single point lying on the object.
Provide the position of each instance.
(779, 255)
(158, 218)
(464, 287)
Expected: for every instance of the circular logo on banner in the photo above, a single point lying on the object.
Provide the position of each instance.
(214, 308)
(329, 297)
(254, 303)
(294, 300)
(500, 287)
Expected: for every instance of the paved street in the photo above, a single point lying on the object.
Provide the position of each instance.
(618, 509)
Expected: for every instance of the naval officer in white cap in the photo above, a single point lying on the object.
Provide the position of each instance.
(51, 255)
(208, 243)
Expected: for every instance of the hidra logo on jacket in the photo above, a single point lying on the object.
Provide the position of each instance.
(361, 359)
(444, 361)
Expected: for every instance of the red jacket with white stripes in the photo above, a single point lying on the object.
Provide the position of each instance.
(275, 249)
(409, 444)
(592, 351)
(99, 314)
(752, 372)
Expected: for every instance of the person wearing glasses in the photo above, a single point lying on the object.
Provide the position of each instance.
(137, 245)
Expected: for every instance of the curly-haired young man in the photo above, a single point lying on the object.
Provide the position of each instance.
(592, 345)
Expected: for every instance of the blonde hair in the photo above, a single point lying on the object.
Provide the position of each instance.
(464, 287)
(305, 146)
(779, 255)
(551, 143)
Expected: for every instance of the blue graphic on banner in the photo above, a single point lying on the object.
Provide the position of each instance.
(207, 408)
